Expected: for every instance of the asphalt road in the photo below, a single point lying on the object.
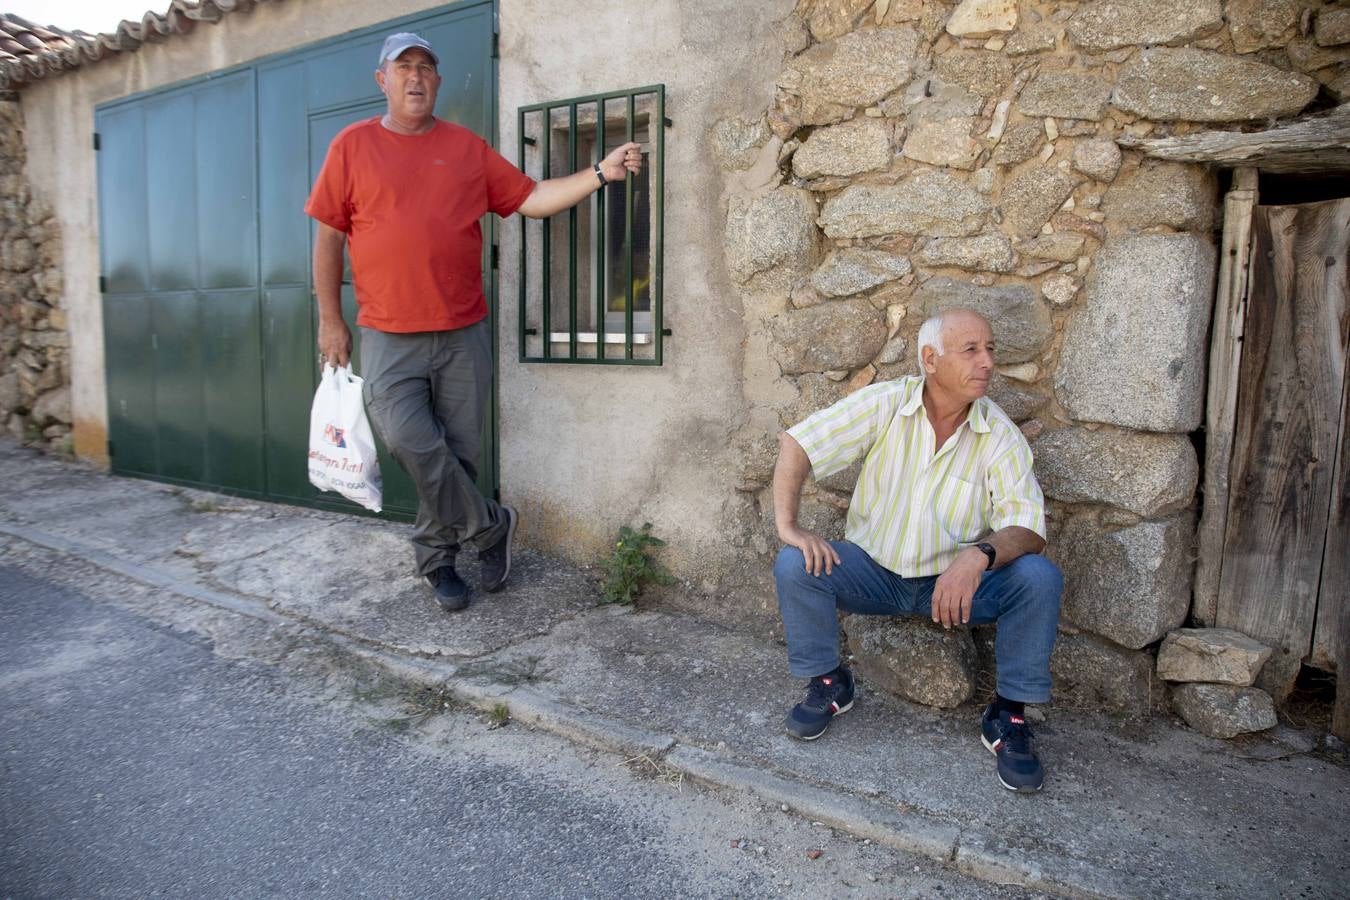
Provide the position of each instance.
(149, 748)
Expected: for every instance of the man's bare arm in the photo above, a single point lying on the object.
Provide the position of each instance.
(1010, 543)
(335, 338)
(789, 474)
(556, 194)
(955, 588)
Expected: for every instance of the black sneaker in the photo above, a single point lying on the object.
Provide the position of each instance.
(451, 591)
(827, 696)
(497, 558)
(1008, 737)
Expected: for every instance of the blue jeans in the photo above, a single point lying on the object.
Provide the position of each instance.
(1022, 597)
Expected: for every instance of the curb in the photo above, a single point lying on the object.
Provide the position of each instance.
(973, 852)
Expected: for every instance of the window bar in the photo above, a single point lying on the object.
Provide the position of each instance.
(657, 255)
(572, 237)
(547, 256)
(601, 307)
(628, 237)
(524, 246)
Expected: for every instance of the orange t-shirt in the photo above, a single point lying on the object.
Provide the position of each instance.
(410, 206)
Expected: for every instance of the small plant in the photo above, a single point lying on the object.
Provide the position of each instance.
(630, 568)
(499, 716)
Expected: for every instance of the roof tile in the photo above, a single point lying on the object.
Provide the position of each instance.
(30, 52)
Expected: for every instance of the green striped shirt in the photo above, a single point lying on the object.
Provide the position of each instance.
(913, 509)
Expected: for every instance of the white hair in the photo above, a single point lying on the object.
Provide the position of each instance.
(930, 335)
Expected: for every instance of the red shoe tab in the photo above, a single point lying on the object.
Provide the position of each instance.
(1016, 720)
(827, 681)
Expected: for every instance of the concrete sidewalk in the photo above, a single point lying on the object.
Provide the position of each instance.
(1129, 808)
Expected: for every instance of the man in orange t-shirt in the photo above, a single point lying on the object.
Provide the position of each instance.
(403, 193)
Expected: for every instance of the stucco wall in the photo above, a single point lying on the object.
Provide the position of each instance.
(585, 449)
(62, 169)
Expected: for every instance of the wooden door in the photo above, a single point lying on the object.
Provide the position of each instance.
(1284, 577)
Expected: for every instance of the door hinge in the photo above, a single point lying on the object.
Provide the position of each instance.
(493, 263)
(496, 51)
(96, 141)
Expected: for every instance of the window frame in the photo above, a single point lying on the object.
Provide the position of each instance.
(608, 351)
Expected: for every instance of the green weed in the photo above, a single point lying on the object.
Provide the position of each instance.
(630, 567)
(500, 715)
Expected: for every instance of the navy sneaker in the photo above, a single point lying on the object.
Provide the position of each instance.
(827, 696)
(497, 558)
(451, 591)
(1008, 737)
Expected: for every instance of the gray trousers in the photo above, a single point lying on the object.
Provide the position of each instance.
(427, 394)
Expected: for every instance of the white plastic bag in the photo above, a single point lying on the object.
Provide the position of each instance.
(341, 446)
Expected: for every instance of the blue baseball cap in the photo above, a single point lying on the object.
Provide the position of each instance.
(396, 44)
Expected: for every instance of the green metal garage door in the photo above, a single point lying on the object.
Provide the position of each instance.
(207, 298)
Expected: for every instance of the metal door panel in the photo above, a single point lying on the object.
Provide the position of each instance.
(122, 200)
(289, 376)
(283, 175)
(180, 420)
(227, 237)
(345, 74)
(127, 333)
(171, 192)
(209, 318)
(232, 389)
(465, 97)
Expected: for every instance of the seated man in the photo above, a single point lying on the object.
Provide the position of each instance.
(946, 521)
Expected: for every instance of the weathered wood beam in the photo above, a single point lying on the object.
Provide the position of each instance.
(1312, 145)
(1225, 358)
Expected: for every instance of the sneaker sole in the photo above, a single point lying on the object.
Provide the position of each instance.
(512, 518)
(1020, 790)
(838, 713)
(453, 605)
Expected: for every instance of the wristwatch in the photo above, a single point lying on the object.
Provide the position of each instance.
(601, 175)
(988, 550)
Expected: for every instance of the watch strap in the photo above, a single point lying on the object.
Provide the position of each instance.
(601, 175)
(988, 550)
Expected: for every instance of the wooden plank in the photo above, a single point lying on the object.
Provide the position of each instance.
(1225, 355)
(1331, 637)
(1315, 144)
(1331, 633)
(1289, 405)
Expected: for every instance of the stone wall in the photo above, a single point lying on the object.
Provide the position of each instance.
(920, 154)
(34, 345)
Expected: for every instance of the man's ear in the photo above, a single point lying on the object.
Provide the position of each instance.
(379, 78)
(926, 354)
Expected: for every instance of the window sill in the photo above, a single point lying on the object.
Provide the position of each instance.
(589, 337)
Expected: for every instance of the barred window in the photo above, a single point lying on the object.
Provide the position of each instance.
(590, 277)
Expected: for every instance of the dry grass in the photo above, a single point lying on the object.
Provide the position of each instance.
(644, 766)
